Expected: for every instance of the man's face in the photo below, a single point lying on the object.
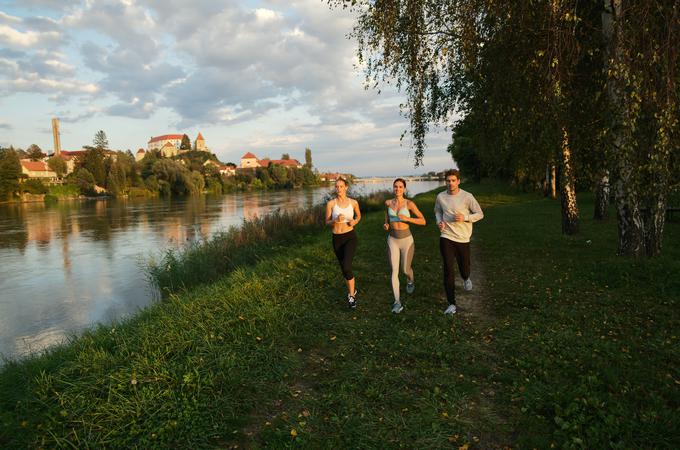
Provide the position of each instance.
(452, 183)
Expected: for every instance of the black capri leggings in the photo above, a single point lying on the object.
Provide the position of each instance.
(344, 246)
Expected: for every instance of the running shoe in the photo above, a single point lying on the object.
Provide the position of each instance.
(351, 300)
(410, 287)
(397, 307)
(467, 284)
(451, 310)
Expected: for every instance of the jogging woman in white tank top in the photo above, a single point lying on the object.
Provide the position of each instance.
(400, 245)
(342, 214)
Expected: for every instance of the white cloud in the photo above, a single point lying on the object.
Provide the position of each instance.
(6, 18)
(273, 74)
(46, 85)
(24, 39)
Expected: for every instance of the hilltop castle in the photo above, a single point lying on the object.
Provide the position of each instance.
(169, 144)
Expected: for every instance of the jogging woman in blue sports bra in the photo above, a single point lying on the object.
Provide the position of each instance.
(342, 214)
(400, 245)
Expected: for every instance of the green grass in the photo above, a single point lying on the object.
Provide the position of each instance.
(64, 191)
(573, 347)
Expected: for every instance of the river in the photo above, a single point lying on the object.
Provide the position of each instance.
(65, 267)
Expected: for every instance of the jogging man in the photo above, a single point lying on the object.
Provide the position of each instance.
(456, 210)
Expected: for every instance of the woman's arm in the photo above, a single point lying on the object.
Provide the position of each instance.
(357, 214)
(418, 219)
(329, 213)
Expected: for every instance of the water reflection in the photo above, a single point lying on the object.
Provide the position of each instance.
(66, 266)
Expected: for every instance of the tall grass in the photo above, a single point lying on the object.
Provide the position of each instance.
(206, 260)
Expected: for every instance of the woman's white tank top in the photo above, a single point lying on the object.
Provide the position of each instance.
(347, 211)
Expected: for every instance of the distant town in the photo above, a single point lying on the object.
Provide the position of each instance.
(171, 164)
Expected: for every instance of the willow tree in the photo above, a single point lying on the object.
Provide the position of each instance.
(511, 65)
(425, 48)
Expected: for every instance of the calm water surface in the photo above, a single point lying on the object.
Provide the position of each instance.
(68, 266)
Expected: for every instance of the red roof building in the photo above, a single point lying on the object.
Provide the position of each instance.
(36, 169)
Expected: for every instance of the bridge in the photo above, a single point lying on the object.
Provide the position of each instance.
(390, 179)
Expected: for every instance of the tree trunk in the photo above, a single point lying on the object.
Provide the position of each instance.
(655, 220)
(602, 197)
(630, 225)
(553, 181)
(570, 221)
(659, 185)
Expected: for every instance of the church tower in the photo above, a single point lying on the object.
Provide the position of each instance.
(200, 143)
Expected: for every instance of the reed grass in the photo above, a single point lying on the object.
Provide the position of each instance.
(206, 260)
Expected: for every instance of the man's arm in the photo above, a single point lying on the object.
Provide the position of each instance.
(475, 213)
(438, 212)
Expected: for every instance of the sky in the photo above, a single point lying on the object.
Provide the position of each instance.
(261, 76)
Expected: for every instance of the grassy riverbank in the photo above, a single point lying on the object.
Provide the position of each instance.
(561, 342)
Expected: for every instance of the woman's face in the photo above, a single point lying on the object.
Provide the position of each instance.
(398, 188)
(340, 187)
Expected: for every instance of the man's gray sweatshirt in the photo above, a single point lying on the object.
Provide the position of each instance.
(445, 208)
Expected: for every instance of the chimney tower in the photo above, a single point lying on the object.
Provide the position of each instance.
(55, 135)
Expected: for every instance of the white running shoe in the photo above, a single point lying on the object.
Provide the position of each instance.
(351, 300)
(467, 284)
(451, 310)
(410, 287)
(397, 307)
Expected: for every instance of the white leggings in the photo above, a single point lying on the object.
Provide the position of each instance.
(397, 249)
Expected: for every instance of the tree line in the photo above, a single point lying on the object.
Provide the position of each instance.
(563, 95)
(119, 174)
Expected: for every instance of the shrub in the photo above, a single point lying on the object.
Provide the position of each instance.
(34, 186)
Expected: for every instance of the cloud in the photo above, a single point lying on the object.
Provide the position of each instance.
(46, 85)
(69, 117)
(49, 4)
(26, 39)
(127, 24)
(5, 126)
(248, 62)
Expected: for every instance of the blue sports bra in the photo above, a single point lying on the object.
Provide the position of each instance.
(394, 215)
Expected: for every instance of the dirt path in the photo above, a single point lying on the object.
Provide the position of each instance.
(477, 306)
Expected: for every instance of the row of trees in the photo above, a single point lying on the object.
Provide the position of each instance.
(583, 90)
(118, 173)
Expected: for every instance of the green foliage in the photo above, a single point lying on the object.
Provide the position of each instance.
(34, 152)
(84, 180)
(64, 190)
(93, 161)
(214, 185)
(57, 165)
(34, 186)
(279, 175)
(100, 140)
(186, 143)
(195, 160)
(10, 172)
(136, 191)
(308, 158)
(174, 178)
(462, 150)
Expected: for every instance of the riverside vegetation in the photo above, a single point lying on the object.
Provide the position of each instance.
(567, 347)
(119, 174)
